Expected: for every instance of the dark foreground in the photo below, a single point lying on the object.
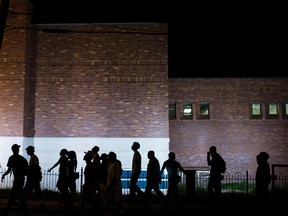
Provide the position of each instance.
(193, 206)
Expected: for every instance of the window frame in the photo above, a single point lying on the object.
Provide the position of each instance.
(174, 116)
(272, 116)
(201, 115)
(183, 111)
(256, 116)
(285, 110)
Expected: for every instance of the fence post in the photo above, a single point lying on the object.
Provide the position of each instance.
(247, 183)
(190, 182)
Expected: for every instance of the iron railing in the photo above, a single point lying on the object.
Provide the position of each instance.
(232, 184)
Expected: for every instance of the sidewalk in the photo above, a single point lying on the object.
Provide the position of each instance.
(187, 207)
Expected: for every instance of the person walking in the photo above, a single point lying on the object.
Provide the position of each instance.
(153, 179)
(71, 176)
(103, 179)
(217, 168)
(88, 194)
(34, 176)
(114, 184)
(18, 165)
(173, 169)
(96, 165)
(62, 176)
(136, 171)
(263, 179)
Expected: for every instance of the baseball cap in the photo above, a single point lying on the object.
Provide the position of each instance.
(15, 146)
(30, 148)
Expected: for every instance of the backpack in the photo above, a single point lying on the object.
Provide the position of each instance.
(223, 166)
(35, 172)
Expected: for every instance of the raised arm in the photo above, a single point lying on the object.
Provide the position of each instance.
(56, 164)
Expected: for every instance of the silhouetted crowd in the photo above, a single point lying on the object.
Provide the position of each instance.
(102, 185)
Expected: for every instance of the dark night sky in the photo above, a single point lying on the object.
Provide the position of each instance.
(205, 40)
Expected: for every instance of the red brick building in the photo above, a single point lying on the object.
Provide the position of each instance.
(78, 85)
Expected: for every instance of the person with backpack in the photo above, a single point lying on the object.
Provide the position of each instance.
(217, 169)
(34, 176)
(173, 169)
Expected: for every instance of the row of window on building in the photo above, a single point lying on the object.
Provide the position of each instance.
(258, 110)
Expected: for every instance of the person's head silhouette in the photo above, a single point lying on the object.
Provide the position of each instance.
(172, 155)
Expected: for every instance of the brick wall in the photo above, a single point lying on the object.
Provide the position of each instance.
(13, 68)
(238, 138)
(100, 80)
(83, 80)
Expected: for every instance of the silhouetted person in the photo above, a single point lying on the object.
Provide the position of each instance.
(71, 176)
(215, 161)
(103, 179)
(18, 165)
(173, 168)
(263, 178)
(114, 183)
(88, 192)
(96, 164)
(136, 171)
(153, 179)
(34, 176)
(62, 176)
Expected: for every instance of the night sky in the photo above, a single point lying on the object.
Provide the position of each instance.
(204, 39)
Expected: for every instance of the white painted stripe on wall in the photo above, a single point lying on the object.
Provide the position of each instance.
(47, 149)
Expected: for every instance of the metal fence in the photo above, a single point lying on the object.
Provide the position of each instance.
(232, 184)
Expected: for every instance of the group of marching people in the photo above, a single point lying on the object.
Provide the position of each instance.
(102, 177)
(102, 180)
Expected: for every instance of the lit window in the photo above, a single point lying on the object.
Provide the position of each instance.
(256, 110)
(272, 110)
(172, 111)
(187, 110)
